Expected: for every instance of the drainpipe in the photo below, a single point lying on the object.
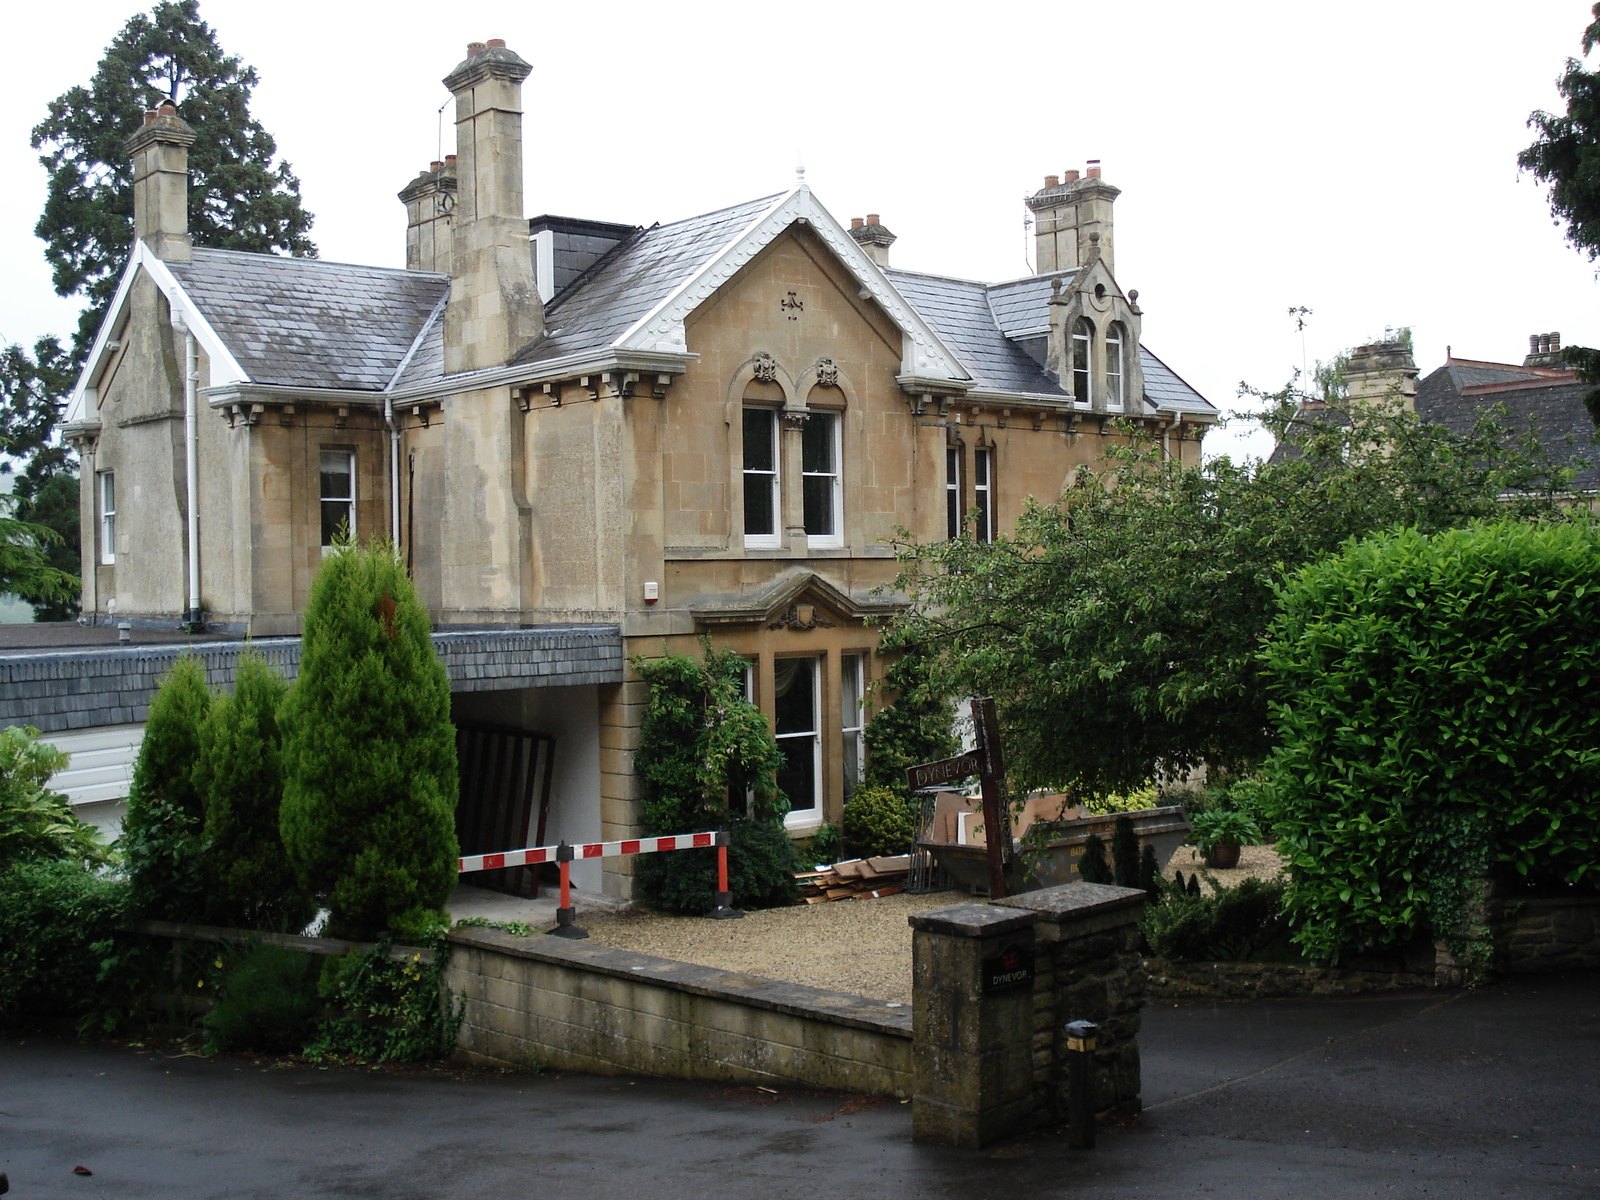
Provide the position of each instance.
(191, 440)
(394, 472)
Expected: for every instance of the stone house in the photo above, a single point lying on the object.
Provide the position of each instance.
(613, 438)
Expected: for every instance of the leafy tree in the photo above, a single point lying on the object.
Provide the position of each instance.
(915, 728)
(1567, 153)
(37, 824)
(369, 752)
(1118, 629)
(33, 387)
(240, 776)
(161, 834)
(240, 197)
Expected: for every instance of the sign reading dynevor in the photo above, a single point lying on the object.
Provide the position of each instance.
(1009, 967)
(943, 771)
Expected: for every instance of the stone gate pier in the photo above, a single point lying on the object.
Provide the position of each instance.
(994, 985)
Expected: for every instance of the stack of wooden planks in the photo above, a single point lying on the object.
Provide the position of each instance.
(855, 879)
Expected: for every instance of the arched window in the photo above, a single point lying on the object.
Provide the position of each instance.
(1114, 371)
(1082, 339)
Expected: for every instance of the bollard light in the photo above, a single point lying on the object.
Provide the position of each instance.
(1081, 1039)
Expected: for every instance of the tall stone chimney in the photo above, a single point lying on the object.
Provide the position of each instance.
(494, 307)
(1544, 350)
(160, 152)
(1383, 371)
(430, 201)
(1067, 213)
(872, 237)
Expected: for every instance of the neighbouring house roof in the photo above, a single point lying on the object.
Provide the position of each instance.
(1539, 399)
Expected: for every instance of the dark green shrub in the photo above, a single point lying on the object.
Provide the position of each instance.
(161, 840)
(1125, 854)
(251, 884)
(877, 822)
(705, 755)
(391, 1009)
(267, 1001)
(1238, 924)
(1092, 867)
(1149, 873)
(827, 847)
(57, 922)
(913, 729)
(369, 752)
(1438, 717)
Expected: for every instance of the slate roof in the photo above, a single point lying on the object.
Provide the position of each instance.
(309, 323)
(1556, 410)
(610, 298)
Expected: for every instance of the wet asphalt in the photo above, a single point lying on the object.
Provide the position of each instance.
(1491, 1093)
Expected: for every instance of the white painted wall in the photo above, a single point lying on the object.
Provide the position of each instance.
(571, 715)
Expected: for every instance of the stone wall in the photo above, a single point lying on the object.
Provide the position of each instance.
(582, 1007)
(1536, 935)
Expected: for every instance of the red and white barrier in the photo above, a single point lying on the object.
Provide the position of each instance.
(565, 854)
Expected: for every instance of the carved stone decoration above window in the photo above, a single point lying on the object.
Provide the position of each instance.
(827, 373)
(765, 368)
(802, 617)
(792, 305)
(795, 418)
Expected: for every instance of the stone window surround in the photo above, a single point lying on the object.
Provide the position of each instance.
(107, 495)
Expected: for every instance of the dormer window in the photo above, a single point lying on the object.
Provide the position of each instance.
(1114, 371)
(1082, 341)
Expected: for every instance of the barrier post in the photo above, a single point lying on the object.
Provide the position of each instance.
(564, 924)
(724, 910)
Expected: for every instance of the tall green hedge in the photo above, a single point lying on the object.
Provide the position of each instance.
(369, 754)
(1437, 703)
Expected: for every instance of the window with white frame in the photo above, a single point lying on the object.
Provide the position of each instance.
(761, 507)
(1114, 360)
(952, 491)
(983, 493)
(1082, 344)
(108, 517)
(795, 711)
(819, 484)
(338, 495)
(852, 722)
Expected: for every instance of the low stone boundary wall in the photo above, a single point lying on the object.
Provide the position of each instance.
(1551, 934)
(1167, 980)
(582, 1007)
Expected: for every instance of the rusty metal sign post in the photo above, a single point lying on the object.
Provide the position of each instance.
(988, 764)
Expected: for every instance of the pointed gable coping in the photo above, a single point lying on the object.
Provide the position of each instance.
(662, 328)
(772, 601)
(224, 367)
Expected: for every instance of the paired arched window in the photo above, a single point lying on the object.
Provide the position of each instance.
(1082, 342)
(1115, 367)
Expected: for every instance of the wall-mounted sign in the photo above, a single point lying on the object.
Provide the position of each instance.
(1009, 967)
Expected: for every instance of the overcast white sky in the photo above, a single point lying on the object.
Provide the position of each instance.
(1358, 159)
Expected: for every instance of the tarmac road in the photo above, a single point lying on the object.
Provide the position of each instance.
(1493, 1093)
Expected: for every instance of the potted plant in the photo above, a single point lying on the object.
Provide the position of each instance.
(1218, 834)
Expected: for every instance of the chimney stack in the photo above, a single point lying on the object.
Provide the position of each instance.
(1067, 214)
(494, 308)
(430, 201)
(1382, 371)
(872, 237)
(159, 149)
(1544, 350)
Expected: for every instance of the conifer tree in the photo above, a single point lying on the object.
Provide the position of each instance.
(161, 835)
(241, 197)
(240, 778)
(369, 756)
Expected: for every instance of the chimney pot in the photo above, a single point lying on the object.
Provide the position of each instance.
(497, 42)
(150, 116)
(168, 109)
(449, 160)
(1072, 177)
(872, 219)
(1052, 181)
(856, 222)
(1533, 343)
(475, 48)
(1094, 168)
(435, 165)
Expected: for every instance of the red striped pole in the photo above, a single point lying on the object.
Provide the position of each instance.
(724, 910)
(564, 924)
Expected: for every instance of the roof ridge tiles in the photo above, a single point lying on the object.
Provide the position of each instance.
(286, 259)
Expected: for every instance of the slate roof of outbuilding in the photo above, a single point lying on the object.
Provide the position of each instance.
(309, 323)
